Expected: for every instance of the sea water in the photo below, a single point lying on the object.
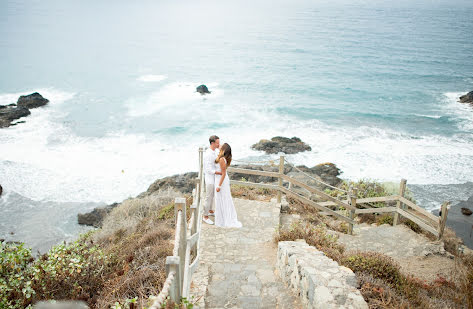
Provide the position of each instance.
(371, 86)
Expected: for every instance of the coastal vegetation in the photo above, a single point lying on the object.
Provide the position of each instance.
(383, 283)
(120, 263)
(123, 262)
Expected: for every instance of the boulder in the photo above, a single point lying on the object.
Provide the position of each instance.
(95, 217)
(183, 183)
(467, 98)
(32, 100)
(466, 211)
(202, 89)
(11, 113)
(328, 172)
(281, 144)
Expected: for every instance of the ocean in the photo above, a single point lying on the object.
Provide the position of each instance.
(371, 86)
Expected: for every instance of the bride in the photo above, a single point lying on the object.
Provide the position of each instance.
(225, 213)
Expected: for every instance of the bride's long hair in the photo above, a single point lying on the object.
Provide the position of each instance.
(225, 152)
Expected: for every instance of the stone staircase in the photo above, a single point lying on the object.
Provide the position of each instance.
(238, 266)
(242, 268)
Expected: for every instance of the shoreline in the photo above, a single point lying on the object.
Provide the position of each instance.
(459, 223)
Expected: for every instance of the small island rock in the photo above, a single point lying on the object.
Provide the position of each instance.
(467, 98)
(95, 217)
(32, 100)
(466, 211)
(202, 89)
(10, 113)
(281, 144)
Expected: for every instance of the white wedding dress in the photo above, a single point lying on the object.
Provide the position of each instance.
(225, 213)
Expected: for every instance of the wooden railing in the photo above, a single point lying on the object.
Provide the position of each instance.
(185, 259)
(404, 208)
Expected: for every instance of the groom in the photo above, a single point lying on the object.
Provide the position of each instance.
(209, 170)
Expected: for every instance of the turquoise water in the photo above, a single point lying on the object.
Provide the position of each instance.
(370, 85)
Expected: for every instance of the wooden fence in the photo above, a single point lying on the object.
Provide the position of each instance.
(185, 259)
(353, 206)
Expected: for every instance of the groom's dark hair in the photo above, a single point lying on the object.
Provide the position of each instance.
(213, 138)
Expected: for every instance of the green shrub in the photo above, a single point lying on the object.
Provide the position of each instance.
(385, 219)
(315, 236)
(74, 271)
(167, 212)
(15, 276)
(370, 188)
(378, 265)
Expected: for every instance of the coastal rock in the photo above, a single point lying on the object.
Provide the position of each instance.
(31, 101)
(182, 182)
(328, 172)
(325, 172)
(466, 211)
(281, 144)
(96, 216)
(10, 113)
(202, 89)
(467, 98)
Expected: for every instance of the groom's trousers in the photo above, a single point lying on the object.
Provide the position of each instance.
(210, 201)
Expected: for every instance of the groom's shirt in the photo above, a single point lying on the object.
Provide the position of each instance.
(209, 166)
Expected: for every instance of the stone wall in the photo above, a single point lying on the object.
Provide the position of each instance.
(318, 280)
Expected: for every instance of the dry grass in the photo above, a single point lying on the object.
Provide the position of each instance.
(249, 193)
(131, 212)
(383, 284)
(139, 234)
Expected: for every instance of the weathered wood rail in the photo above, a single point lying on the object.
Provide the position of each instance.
(185, 259)
(404, 208)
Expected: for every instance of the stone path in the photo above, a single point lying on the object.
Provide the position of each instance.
(415, 254)
(396, 241)
(238, 266)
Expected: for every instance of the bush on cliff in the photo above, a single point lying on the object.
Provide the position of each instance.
(124, 260)
(74, 271)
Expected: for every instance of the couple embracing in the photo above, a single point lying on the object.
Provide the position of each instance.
(219, 198)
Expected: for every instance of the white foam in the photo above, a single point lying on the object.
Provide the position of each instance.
(151, 78)
(172, 98)
(43, 160)
(462, 111)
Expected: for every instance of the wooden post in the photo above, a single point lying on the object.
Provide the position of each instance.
(172, 264)
(443, 218)
(352, 194)
(402, 189)
(201, 176)
(281, 171)
(180, 204)
(199, 190)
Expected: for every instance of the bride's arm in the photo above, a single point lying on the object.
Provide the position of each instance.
(223, 167)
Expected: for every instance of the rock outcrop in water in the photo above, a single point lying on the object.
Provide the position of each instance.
(31, 100)
(325, 172)
(281, 144)
(467, 98)
(182, 182)
(12, 112)
(202, 89)
(95, 217)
